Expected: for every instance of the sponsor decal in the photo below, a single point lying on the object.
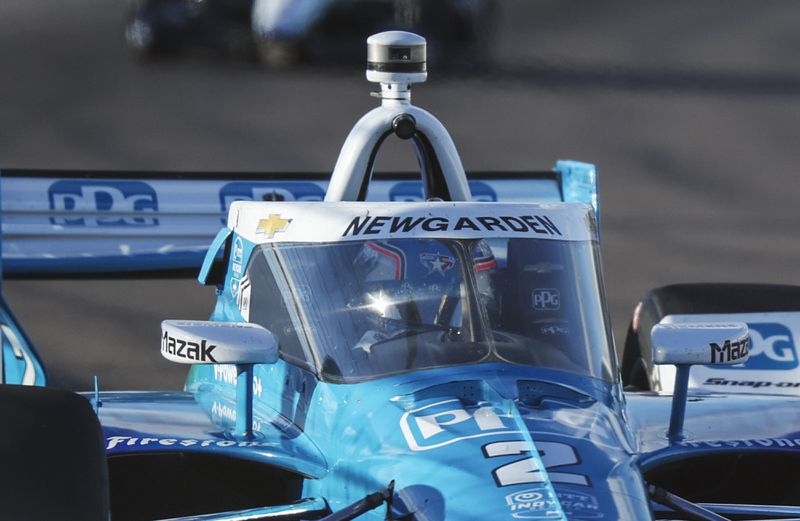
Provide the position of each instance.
(134, 202)
(729, 351)
(583, 506)
(237, 256)
(554, 330)
(243, 298)
(533, 503)
(225, 412)
(378, 224)
(226, 374)
(771, 348)
(436, 262)
(446, 422)
(546, 299)
(113, 442)
(263, 191)
(783, 443)
(751, 383)
(544, 267)
(200, 352)
(412, 191)
(443, 423)
(270, 226)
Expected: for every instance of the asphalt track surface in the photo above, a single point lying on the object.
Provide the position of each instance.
(691, 110)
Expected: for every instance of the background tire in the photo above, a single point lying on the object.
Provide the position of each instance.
(53, 457)
(687, 299)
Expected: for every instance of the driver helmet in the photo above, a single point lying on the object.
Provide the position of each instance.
(414, 282)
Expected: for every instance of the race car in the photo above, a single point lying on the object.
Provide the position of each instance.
(285, 32)
(380, 349)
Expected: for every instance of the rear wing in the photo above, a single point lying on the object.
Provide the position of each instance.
(93, 223)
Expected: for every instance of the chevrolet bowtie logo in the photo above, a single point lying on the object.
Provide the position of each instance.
(274, 224)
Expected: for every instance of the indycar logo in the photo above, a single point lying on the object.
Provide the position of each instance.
(412, 191)
(287, 191)
(772, 347)
(195, 351)
(83, 203)
(534, 503)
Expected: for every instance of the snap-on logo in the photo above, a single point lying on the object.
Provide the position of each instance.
(442, 423)
(267, 191)
(772, 347)
(78, 203)
(410, 191)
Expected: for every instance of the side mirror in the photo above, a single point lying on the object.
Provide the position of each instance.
(686, 345)
(202, 342)
(706, 344)
(240, 343)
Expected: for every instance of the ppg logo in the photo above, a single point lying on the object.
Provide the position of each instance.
(446, 422)
(132, 202)
(546, 299)
(411, 191)
(287, 191)
(772, 347)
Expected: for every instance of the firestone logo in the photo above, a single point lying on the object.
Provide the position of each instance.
(83, 203)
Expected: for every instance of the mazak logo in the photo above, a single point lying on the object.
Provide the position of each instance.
(195, 351)
(442, 423)
(546, 299)
(411, 191)
(266, 191)
(772, 348)
(82, 203)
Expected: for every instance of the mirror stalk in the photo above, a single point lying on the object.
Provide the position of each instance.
(685, 345)
(241, 344)
(244, 401)
(679, 395)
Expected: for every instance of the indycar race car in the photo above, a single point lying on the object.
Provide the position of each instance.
(389, 349)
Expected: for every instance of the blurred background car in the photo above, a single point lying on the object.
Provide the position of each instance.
(283, 32)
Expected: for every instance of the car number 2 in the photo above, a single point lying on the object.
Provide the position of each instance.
(526, 470)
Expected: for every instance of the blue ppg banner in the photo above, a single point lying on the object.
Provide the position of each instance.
(54, 223)
(410, 191)
(772, 348)
(269, 191)
(129, 201)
